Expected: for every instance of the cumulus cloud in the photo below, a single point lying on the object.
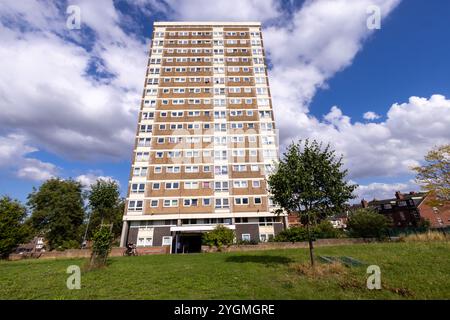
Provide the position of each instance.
(50, 87)
(370, 115)
(385, 190)
(90, 178)
(14, 155)
(83, 87)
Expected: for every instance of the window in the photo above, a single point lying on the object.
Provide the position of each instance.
(140, 171)
(191, 185)
(206, 201)
(220, 170)
(240, 201)
(144, 142)
(170, 203)
(246, 237)
(166, 240)
(190, 202)
(135, 205)
(257, 200)
(173, 169)
(240, 184)
(137, 188)
(239, 168)
(172, 185)
(221, 186)
(156, 186)
(256, 184)
(157, 169)
(191, 169)
(222, 203)
(154, 203)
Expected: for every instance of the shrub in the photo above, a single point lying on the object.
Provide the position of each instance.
(219, 237)
(366, 223)
(323, 230)
(101, 247)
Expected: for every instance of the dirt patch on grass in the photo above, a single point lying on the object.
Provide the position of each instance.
(360, 284)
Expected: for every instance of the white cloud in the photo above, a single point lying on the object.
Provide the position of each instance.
(14, 152)
(67, 111)
(370, 115)
(385, 190)
(90, 178)
(64, 109)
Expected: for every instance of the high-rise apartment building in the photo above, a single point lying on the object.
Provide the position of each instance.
(206, 138)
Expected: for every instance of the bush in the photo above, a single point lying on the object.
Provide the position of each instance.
(68, 244)
(219, 237)
(101, 247)
(366, 223)
(323, 230)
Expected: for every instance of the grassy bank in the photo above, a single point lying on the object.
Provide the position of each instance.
(414, 270)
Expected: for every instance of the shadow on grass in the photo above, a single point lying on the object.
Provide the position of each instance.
(267, 260)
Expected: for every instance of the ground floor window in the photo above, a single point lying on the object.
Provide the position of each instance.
(264, 237)
(144, 242)
(246, 237)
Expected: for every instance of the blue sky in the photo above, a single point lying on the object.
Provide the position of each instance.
(77, 114)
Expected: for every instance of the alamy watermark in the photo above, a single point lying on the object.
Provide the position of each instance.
(374, 280)
(374, 19)
(74, 280)
(73, 21)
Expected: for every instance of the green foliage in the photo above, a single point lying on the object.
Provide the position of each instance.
(366, 223)
(424, 224)
(115, 219)
(58, 212)
(102, 246)
(219, 237)
(104, 198)
(435, 174)
(309, 180)
(13, 231)
(294, 234)
(323, 230)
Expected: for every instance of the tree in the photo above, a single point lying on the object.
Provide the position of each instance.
(13, 231)
(102, 246)
(219, 237)
(367, 223)
(106, 206)
(58, 212)
(309, 181)
(435, 174)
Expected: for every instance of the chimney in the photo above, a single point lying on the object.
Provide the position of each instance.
(399, 195)
(364, 203)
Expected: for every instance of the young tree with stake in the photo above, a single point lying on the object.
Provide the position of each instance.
(309, 180)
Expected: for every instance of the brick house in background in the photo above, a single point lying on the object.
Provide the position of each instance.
(406, 210)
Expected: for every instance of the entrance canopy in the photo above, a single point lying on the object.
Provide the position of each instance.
(199, 228)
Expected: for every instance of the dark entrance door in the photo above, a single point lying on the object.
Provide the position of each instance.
(189, 243)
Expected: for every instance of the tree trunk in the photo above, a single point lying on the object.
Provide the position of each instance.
(311, 246)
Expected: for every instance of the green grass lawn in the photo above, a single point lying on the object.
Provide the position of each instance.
(408, 271)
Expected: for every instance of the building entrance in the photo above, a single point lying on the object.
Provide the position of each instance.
(189, 243)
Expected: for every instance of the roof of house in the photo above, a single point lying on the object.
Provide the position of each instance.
(417, 197)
